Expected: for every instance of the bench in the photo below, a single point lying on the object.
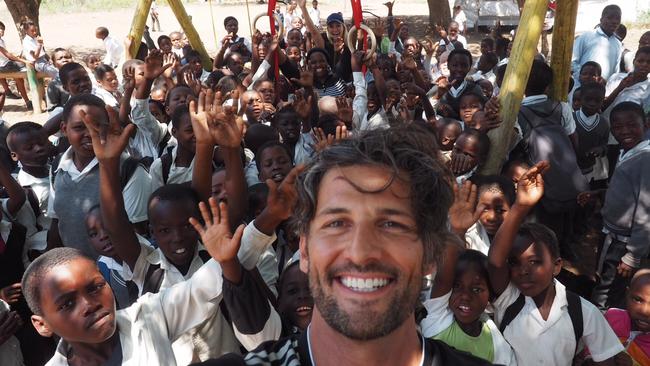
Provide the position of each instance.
(36, 85)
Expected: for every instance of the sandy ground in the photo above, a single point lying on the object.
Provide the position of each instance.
(76, 31)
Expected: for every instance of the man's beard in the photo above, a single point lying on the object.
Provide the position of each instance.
(365, 324)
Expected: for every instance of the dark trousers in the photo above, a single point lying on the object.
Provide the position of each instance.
(610, 290)
(559, 217)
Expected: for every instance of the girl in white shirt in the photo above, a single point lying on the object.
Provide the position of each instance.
(108, 85)
(34, 50)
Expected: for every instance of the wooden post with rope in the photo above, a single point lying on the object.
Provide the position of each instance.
(523, 52)
(564, 29)
(140, 20)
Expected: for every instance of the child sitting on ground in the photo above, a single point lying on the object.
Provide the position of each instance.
(531, 306)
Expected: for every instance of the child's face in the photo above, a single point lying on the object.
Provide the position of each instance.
(638, 304)
(459, 66)
(236, 64)
(486, 47)
(109, 82)
(218, 186)
(32, 149)
(373, 99)
(77, 133)
(32, 31)
(289, 128)
(453, 32)
(576, 103)
(98, 236)
(469, 297)
(588, 73)
(77, 303)
(469, 104)
(165, 45)
(61, 58)
(295, 302)
(185, 134)
(627, 128)
(93, 62)
(177, 40)
(591, 101)
(253, 105)
(267, 91)
(532, 268)
(158, 113)
(293, 53)
(318, 64)
(642, 63)
(275, 164)
(195, 65)
(495, 209)
(610, 21)
(486, 87)
(232, 27)
(296, 22)
(468, 146)
(449, 135)
(172, 231)
(78, 82)
(178, 97)
(294, 38)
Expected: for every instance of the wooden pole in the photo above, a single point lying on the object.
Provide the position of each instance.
(563, 37)
(137, 25)
(523, 52)
(190, 32)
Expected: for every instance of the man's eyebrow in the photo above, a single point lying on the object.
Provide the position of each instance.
(332, 211)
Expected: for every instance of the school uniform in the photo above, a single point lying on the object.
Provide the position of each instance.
(599, 47)
(150, 135)
(212, 337)
(41, 188)
(177, 174)
(489, 344)
(106, 96)
(41, 61)
(10, 354)
(360, 119)
(638, 93)
(114, 52)
(147, 328)
(536, 341)
(73, 192)
(477, 238)
(626, 221)
(56, 96)
(452, 97)
(593, 132)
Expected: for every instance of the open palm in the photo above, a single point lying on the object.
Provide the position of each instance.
(216, 236)
(109, 139)
(530, 187)
(463, 213)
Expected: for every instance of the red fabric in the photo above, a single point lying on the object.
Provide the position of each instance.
(357, 16)
(270, 11)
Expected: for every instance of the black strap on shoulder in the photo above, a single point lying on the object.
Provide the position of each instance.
(575, 313)
(54, 167)
(163, 143)
(127, 170)
(166, 161)
(153, 279)
(511, 312)
(204, 255)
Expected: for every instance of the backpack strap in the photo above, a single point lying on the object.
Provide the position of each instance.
(511, 312)
(163, 143)
(166, 161)
(204, 255)
(127, 170)
(575, 313)
(54, 167)
(153, 279)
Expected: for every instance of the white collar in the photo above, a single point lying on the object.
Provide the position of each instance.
(27, 179)
(601, 32)
(534, 99)
(587, 122)
(638, 149)
(455, 92)
(66, 164)
(462, 178)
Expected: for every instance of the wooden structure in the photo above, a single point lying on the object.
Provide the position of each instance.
(140, 20)
(35, 82)
(523, 52)
(564, 28)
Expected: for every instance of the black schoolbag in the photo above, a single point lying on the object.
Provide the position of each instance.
(544, 138)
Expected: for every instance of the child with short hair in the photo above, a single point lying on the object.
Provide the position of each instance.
(459, 63)
(469, 154)
(593, 133)
(295, 132)
(56, 96)
(532, 307)
(469, 104)
(625, 211)
(448, 134)
(295, 302)
(34, 50)
(107, 89)
(177, 163)
(114, 50)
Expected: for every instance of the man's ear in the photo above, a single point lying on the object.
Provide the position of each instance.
(41, 326)
(304, 254)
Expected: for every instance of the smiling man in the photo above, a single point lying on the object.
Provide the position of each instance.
(371, 214)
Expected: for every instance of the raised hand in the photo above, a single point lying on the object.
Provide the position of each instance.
(282, 197)
(191, 81)
(530, 187)
(344, 111)
(11, 294)
(322, 141)
(216, 236)
(155, 64)
(302, 105)
(226, 42)
(464, 213)
(129, 78)
(175, 61)
(306, 79)
(409, 64)
(109, 139)
(39, 39)
(215, 124)
(357, 60)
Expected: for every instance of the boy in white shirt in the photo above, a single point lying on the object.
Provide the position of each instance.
(114, 50)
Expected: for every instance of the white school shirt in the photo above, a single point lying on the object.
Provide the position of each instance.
(440, 317)
(29, 45)
(149, 326)
(638, 93)
(3, 59)
(150, 132)
(136, 192)
(596, 46)
(360, 119)
(460, 39)
(460, 18)
(567, 112)
(177, 174)
(214, 334)
(106, 96)
(114, 51)
(41, 188)
(476, 238)
(552, 342)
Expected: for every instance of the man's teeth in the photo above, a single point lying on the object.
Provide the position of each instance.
(180, 251)
(364, 285)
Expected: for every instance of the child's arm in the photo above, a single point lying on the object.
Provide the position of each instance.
(444, 280)
(15, 192)
(213, 125)
(35, 53)
(13, 57)
(218, 59)
(317, 39)
(125, 102)
(360, 101)
(108, 143)
(530, 190)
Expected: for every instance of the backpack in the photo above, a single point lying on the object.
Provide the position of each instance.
(127, 169)
(544, 138)
(574, 307)
(166, 163)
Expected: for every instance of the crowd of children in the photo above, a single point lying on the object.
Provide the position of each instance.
(151, 220)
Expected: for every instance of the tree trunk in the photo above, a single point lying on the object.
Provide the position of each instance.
(23, 8)
(439, 13)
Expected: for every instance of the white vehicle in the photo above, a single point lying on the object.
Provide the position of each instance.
(489, 13)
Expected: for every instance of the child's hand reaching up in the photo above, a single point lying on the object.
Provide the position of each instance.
(215, 124)
(530, 187)
(109, 139)
(464, 213)
(217, 238)
(156, 63)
